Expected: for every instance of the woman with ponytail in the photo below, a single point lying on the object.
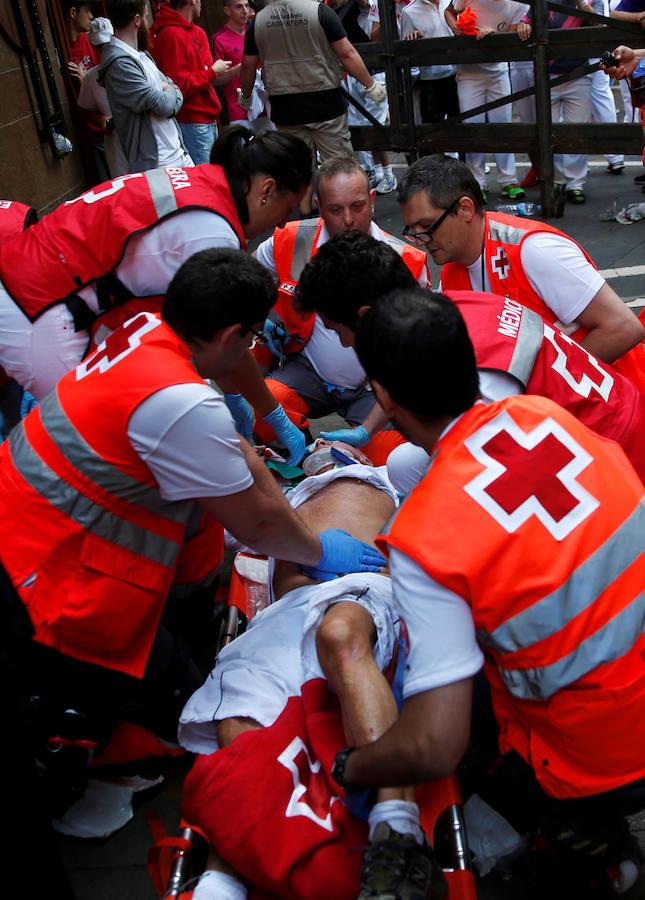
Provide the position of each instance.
(97, 259)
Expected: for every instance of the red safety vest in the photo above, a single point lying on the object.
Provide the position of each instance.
(511, 338)
(88, 541)
(539, 525)
(293, 247)
(15, 217)
(504, 236)
(83, 241)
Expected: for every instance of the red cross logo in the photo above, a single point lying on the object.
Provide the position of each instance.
(118, 344)
(530, 474)
(500, 263)
(311, 795)
(582, 372)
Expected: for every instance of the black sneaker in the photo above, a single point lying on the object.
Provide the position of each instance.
(640, 179)
(396, 867)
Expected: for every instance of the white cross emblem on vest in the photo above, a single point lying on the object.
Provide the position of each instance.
(500, 263)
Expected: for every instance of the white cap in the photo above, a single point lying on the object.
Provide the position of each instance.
(100, 31)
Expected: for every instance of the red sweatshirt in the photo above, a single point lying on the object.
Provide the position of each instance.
(181, 51)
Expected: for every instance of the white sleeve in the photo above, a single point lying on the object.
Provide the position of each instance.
(407, 27)
(152, 258)
(440, 628)
(264, 255)
(496, 385)
(560, 274)
(186, 435)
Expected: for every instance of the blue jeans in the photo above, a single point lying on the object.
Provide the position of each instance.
(199, 138)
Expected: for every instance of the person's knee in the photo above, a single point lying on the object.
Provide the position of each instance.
(344, 639)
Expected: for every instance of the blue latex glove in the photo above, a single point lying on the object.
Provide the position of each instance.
(288, 435)
(276, 335)
(242, 413)
(343, 553)
(27, 403)
(355, 437)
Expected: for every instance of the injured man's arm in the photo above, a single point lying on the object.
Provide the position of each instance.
(345, 630)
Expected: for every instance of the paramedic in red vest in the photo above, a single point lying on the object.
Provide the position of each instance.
(95, 509)
(529, 261)
(126, 239)
(320, 376)
(517, 351)
(523, 550)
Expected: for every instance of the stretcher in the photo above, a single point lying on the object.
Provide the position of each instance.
(173, 861)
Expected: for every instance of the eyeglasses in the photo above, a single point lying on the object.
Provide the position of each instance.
(424, 237)
(258, 338)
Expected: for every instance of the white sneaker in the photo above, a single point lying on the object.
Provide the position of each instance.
(386, 185)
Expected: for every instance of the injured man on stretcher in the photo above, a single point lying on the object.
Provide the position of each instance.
(308, 677)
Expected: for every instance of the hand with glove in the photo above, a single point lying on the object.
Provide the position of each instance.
(343, 553)
(242, 413)
(276, 336)
(355, 437)
(288, 435)
(242, 101)
(376, 91)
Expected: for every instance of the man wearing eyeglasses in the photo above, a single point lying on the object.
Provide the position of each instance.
(103, 515)
(317, 375)
(529, 261)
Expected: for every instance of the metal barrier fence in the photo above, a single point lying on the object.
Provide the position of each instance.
(396, 57)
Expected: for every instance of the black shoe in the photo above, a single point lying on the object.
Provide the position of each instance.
(577, 196)
(640, 179)
(396, 867)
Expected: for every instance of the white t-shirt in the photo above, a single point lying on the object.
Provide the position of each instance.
(558, 271)
(152, 258)
(440, 627)
(426, 16)
(334, 363)
(93, 97)
(170, 150)
(496, 14)
(187, 437)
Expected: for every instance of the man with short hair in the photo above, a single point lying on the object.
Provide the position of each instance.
(181, 50)
(319, 375)
(303, 48)
(228, 43)
(517, 351)
(82, 55)
(531, 262)
(128, 504)
(144, 101)
(527, 538)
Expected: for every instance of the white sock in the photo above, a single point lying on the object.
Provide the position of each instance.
(219, 886)
(400, 815)
(378, 169)
(387, 171)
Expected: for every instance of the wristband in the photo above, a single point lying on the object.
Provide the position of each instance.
(338, 771)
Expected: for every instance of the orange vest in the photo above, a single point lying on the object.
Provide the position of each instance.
(504, 236)
(553, 569)
(88, 541)
(293, 247)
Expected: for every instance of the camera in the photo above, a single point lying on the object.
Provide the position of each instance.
(608, 59)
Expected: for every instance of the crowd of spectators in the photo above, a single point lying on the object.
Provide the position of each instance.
(154, 87)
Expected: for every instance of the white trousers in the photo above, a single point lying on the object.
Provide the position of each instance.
(475, 90)
(603, 107)
(571, 102)
(522, 78)
(38, 354)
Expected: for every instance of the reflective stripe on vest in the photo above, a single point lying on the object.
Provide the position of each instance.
(554, 612)
(527, 346)
(504, 233)
(89, 515)
(303, 247)
(83, 457)
(162, 192)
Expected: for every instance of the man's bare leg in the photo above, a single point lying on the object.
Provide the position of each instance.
(344, 642)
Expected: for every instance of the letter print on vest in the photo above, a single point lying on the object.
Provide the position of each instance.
(310, 796)
(530, 474)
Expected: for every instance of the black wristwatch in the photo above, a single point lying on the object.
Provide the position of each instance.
(338, 771)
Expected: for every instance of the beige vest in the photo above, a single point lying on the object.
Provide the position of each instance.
(296, 55)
